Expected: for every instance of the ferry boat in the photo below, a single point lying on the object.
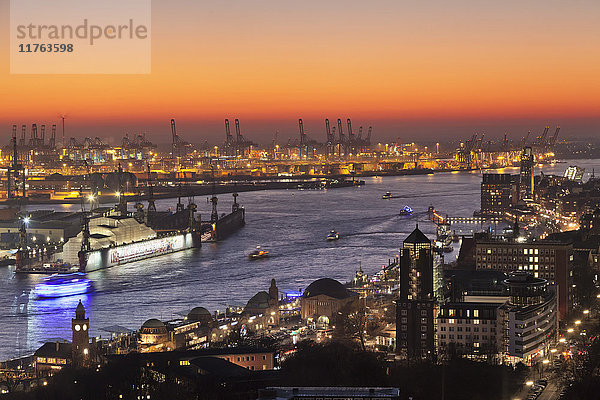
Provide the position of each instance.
(61, 285)
(258, 253)
(406, 210)
(333, 235)
(387, 195)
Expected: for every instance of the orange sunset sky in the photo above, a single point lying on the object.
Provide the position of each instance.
(443, 69)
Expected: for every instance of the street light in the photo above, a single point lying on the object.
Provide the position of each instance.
(577, 322)
(529, 383)
(586, 312)
(562, 340)
(570, 330)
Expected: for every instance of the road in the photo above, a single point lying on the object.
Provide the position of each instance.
(552, 391)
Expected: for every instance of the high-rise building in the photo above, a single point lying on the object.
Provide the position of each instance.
(498, 193)
(416, 306)
(526, 184)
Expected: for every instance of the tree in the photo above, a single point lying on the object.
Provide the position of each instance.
(333, 364)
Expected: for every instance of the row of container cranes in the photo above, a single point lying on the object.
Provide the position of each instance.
(238, 145)
(344, 145)
(475, 152)
(336, 145)
(37, 139)
(542, 141)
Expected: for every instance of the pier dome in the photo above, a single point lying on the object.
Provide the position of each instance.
(153, 324)
(328, 287)
(324, 300)
(153, 332)
(259, 301)
(199, 314)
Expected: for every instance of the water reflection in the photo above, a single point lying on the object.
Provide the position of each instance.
(49, 317)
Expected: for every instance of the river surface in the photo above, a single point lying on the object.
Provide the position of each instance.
(291, 224)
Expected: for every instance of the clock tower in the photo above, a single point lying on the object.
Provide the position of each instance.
(81, 337)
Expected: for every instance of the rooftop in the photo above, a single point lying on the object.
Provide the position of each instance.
(329, 392)
(55, 349)
(417, 237)
(328, 287)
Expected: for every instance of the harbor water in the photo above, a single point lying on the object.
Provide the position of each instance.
(291, 224)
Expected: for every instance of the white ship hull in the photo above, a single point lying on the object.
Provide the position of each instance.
(112, 256)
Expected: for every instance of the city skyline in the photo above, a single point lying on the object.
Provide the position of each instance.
(433, 70)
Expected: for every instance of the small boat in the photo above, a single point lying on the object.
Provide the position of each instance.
(61, 285)
(333, 235)
(258, 253)
(406, 210)
(387, 195)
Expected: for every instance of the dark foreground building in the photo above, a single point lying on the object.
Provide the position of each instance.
(415, 307)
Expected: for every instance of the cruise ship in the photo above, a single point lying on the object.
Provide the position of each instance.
(117, 237)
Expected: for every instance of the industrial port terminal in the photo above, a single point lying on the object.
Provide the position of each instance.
(38, 169)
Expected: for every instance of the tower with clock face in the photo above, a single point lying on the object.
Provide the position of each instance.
(81, 336)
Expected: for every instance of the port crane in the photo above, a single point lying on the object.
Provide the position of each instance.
(330, 138)
(23, 134)
(151, 205)
(229, 142)
(552, 141)
(540, 140)
(351, 139)
(342, 139)
(241, 143)
(175, 151)
(33, 138)
(53, 137)
(303, 140)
